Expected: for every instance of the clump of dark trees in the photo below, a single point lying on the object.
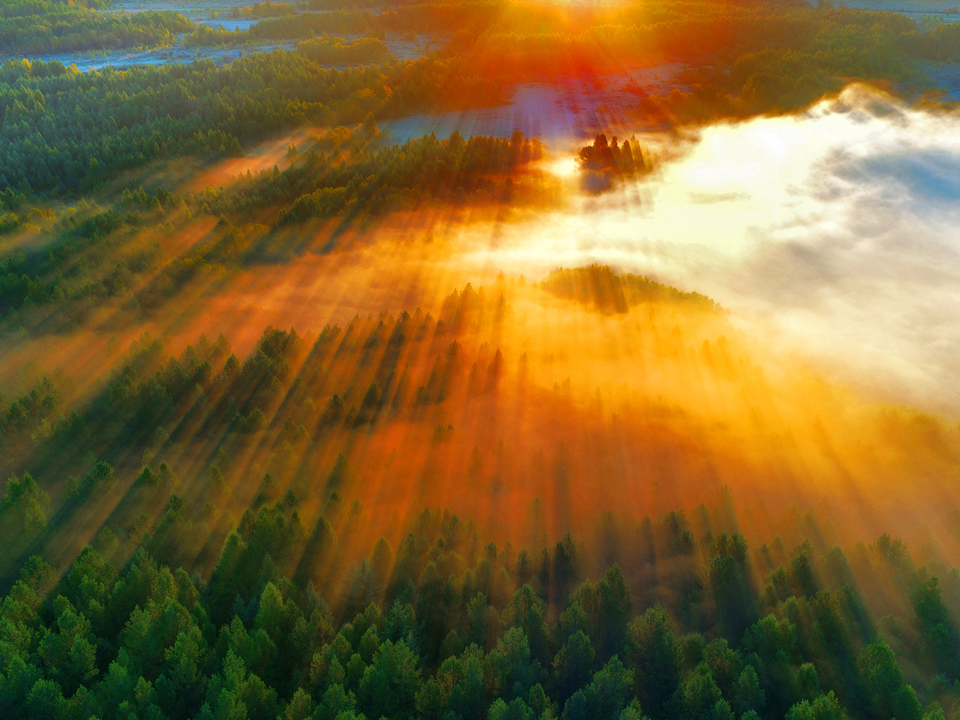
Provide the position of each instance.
(337, 51)
(611, 157)
(64, 132)
(601, 161)
(600, 287)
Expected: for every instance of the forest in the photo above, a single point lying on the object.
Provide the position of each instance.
(145, 114)
(204, 595)
(104, 258)
(52, 26)
(155, 113)
(240, 566)
(293, 27)
(347, 371)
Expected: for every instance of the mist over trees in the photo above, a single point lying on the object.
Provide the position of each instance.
(589, 495)
(765, 58)
(236, 581)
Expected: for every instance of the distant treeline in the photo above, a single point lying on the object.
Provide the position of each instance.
(600, 287)
(746, 58)
(294, 27)
(336, 51)
(53, 26)
(391, 178)
(813, 52)
(63, 131)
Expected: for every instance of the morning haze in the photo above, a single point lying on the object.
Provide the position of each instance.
(479, 360)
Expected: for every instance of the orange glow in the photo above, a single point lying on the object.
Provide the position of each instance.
(530, 413)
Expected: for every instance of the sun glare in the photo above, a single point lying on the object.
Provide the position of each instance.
(563, 167)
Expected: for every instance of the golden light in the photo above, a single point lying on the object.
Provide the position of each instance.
(562, 167)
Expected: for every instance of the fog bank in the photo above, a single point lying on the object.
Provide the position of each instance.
(833, 232)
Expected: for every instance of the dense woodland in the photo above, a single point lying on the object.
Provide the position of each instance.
(237, 567)
(201, 531)
(406, 642)
(145, 114)
(685, 621)
(766, 57)
(205, 595)
(54, 26)
(110, 258)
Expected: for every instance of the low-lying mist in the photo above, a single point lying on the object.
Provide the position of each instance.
(832, 232)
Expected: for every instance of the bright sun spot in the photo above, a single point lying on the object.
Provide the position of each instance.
(562, 167)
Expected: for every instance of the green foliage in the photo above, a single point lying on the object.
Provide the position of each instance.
(653, 650)
(939, 633)
(101, 478)
(31, 418)
(142, 641)
(390, 683)
(24, 505)
(747, 695)
(336, 51)
(824, 707)
(730, 582)
(886, 691)
(50, 26)
(393, 178)
(159, 112)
